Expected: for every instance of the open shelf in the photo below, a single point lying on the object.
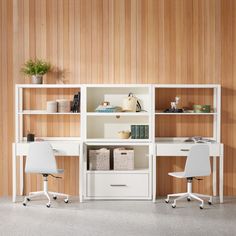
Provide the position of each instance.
(112, 141)
(160, 112)
(44, 112)
(117, 114)
(115, 96)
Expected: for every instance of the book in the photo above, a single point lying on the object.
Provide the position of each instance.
(137, 134)
(142, 131)
(133, 132)
(146, 132)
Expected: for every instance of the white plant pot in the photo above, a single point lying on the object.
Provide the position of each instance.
(37, 79)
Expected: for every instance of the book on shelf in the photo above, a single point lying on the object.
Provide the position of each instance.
(139, 131)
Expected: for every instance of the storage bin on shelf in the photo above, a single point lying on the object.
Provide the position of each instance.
(99, 159)
(123, 159)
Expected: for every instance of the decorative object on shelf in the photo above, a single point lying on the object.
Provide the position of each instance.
(30, 137)
(63, 105)
(123, 159)
(75, 107)
(108, 108)
(124, 134)
(139, 132)
(51, 106)
(99, 159)
(174, 107)
(202, 108)
(131, 104)
(36, 69)
(198, 139)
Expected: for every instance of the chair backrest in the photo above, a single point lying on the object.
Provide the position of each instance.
(40, 158)
(198, 161)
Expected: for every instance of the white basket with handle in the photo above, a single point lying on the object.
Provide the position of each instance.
(123, 159)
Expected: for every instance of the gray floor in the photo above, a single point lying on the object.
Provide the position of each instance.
(117, 218)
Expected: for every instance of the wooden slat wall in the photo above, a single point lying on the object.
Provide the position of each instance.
(119, 41)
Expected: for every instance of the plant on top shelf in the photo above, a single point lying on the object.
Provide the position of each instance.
(36, 69)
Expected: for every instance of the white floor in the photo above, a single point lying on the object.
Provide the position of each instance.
(117, 218)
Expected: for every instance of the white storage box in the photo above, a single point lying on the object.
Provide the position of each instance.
(51, 106)
(123, 159)
(99, 159)
(63, 105)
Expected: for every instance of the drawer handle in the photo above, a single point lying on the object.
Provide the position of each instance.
(184, 150)
(118, 185)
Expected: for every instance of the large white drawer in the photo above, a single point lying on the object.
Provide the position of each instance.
(166, 149)
(117, 185)
(61, 148)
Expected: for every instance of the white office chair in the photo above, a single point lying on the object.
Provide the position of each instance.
(197, 164)
(41, 160)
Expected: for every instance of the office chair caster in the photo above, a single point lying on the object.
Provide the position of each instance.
(54, 197)
(201, 206)
(189, 199)
(166, 201)
(48, 205)
(28, 199)
(24, 204)
(66, 200)
(173, 206)
(209, 202)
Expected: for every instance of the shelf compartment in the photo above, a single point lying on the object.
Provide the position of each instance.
(52, 126)
(115, 95)
(141, 158)
(107, 128)
(182, 126)
(36, 99)
(188, 97)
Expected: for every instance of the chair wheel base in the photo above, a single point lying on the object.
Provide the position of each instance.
(48, 205)
(201, 207)
(66, 200)
(189, 199)
(166, 201)
(54, 197)
(24, 204)
(173, 206)
(209, 202)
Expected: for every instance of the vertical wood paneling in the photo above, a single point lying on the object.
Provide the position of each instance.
(118, 41)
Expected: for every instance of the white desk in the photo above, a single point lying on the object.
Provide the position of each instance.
(60, 147)
(172, 147)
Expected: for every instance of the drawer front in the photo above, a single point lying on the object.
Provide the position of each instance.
(164, 149)
(117, 185)
(60, 148)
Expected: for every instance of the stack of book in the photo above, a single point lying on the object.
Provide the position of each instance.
(139, 131)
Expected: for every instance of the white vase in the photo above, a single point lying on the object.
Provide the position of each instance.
(37, 79)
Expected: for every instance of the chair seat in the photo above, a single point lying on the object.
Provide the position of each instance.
(58, 171)
(177, 174)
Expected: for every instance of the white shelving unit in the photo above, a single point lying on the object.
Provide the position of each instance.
(100, 129)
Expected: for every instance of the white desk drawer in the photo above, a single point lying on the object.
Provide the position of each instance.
(61, 148)
(166, 149)
(117, 185)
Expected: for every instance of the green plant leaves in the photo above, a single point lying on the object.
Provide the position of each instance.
(36, 67)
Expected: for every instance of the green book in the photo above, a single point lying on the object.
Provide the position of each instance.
(133, 132)
(146, 132)
(137, 134)
(142, 131)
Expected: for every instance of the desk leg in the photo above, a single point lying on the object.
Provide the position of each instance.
(13, 173)
(214, 176)
(221, 184)
(154, 182)
(21, 175)
(81, 177)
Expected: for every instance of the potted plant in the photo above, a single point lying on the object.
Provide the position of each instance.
(36, 69)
